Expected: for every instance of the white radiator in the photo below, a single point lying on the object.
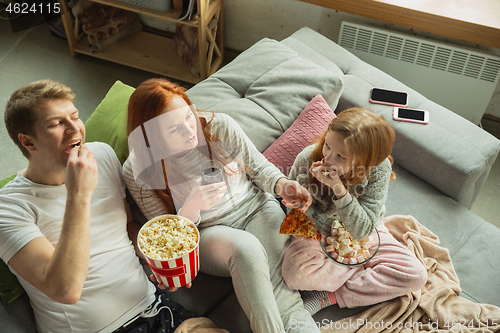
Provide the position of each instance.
(458, 78)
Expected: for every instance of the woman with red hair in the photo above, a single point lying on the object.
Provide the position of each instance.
(347, 172)
(239, 217)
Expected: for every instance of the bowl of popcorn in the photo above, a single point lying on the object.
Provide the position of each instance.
(170, 244)
(345, 250)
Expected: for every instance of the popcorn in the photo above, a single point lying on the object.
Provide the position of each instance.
(344, 248)
(325, 173)
(168, 238)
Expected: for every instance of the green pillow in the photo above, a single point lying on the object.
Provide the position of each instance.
(10, 288)
(108, 123)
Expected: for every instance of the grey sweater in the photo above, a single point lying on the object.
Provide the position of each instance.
(360, 212)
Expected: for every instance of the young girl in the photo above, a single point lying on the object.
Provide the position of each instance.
(239, 217)
(347, 173)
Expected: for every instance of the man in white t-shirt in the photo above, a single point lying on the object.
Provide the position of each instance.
(64, 221)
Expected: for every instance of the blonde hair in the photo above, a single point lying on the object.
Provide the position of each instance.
(21, 109)
(368, 139)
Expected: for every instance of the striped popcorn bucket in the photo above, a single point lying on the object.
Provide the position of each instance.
(177, 271)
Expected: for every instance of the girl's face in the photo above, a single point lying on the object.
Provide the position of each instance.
(335, 153)
(179, 131)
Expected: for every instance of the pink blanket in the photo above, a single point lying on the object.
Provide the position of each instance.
(436, 307)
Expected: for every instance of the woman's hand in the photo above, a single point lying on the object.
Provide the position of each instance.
(203, 197)
(329, 176)
(162, 286)
(293, 194)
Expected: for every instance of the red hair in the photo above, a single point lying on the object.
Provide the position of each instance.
(147, 102)
(368, 139)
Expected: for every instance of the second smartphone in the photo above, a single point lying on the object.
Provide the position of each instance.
(411, 115)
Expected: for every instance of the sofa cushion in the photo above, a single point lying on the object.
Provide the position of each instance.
(108, 123)
(313, 121)
(265, 89)
(10, 288)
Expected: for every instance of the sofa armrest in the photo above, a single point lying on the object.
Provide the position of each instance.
(450, 153)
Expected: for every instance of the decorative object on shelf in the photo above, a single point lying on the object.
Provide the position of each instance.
(104, 25)
(187, 45)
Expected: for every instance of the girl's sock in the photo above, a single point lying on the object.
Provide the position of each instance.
(317, 300)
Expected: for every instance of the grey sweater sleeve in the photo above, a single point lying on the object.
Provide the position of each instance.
(360, 211)
(366, 207)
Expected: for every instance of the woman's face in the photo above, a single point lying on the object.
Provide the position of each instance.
(180, 126)
(336, 153)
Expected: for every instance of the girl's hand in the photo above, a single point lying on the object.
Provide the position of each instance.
(328, 176)
(162, 286)
(324, 173)
(203, 197)
(293, 194)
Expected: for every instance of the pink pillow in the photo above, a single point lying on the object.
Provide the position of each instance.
(312, 121)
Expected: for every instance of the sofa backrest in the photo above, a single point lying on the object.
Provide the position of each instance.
(266, 87)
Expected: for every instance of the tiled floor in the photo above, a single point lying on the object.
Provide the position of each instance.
(36, 54)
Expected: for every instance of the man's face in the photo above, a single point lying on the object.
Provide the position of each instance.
(58, 129)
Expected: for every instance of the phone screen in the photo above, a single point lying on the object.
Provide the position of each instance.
(411, 114)
(389, 96)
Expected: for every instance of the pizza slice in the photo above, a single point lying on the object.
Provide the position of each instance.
(299, 224)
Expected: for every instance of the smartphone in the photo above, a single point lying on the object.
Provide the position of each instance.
(411, 115)
(389, 97)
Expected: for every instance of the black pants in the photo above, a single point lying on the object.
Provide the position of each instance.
(166, 316)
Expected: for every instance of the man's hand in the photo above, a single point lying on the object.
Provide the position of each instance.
(293, 194)
(80, 177)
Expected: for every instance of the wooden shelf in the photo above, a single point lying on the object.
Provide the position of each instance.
(154, 53)
(145, 51)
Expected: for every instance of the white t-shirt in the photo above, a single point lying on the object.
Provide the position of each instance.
(116, 288)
